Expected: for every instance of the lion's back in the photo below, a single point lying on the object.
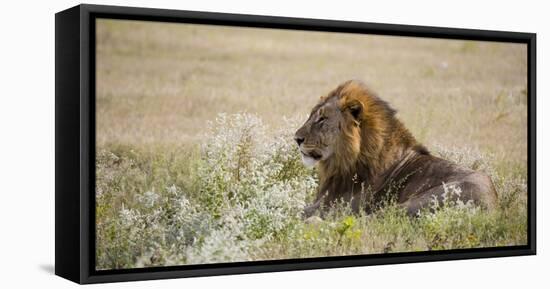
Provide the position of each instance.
(428, 176)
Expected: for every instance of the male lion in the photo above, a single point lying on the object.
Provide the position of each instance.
(364, 152)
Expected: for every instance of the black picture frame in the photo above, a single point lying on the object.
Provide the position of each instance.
(75, 142)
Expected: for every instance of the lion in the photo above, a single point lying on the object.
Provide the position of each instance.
(363, 152)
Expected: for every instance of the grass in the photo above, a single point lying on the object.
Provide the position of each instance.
(180, 183)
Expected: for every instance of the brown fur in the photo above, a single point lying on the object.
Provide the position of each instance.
(364, 152)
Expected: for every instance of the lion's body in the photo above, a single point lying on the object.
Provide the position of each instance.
(365, 155)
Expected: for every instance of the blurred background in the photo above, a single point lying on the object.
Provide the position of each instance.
(158, 83)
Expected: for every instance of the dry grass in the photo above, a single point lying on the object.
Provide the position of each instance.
(159, 83)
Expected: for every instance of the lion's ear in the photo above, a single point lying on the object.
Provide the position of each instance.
(355, 107)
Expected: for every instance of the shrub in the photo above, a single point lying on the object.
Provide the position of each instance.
(249, 187)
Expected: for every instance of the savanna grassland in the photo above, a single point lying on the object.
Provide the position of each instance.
(196, 162)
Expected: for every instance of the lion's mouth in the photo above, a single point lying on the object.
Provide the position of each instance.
(315, 155)
(312, 154)
(310, 159)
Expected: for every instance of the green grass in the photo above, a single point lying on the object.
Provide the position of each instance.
(178, 183)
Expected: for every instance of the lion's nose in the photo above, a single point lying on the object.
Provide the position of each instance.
(299, 140)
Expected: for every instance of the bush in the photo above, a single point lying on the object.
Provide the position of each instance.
(249, 187)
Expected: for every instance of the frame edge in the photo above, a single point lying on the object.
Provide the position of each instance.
(70, 127)
(67, 144)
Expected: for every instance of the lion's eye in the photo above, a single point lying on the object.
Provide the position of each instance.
(321, 119)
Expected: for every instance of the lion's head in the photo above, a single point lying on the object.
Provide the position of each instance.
(346, 125)
(330, 121)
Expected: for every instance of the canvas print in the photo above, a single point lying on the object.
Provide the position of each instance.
(219, 144)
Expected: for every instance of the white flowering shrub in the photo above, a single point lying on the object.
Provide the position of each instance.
(251, 183)
(249, 187)
(154, 231)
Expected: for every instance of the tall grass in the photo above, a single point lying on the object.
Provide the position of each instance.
(239, 196)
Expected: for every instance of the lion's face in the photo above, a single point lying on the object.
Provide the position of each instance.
(320, 135)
